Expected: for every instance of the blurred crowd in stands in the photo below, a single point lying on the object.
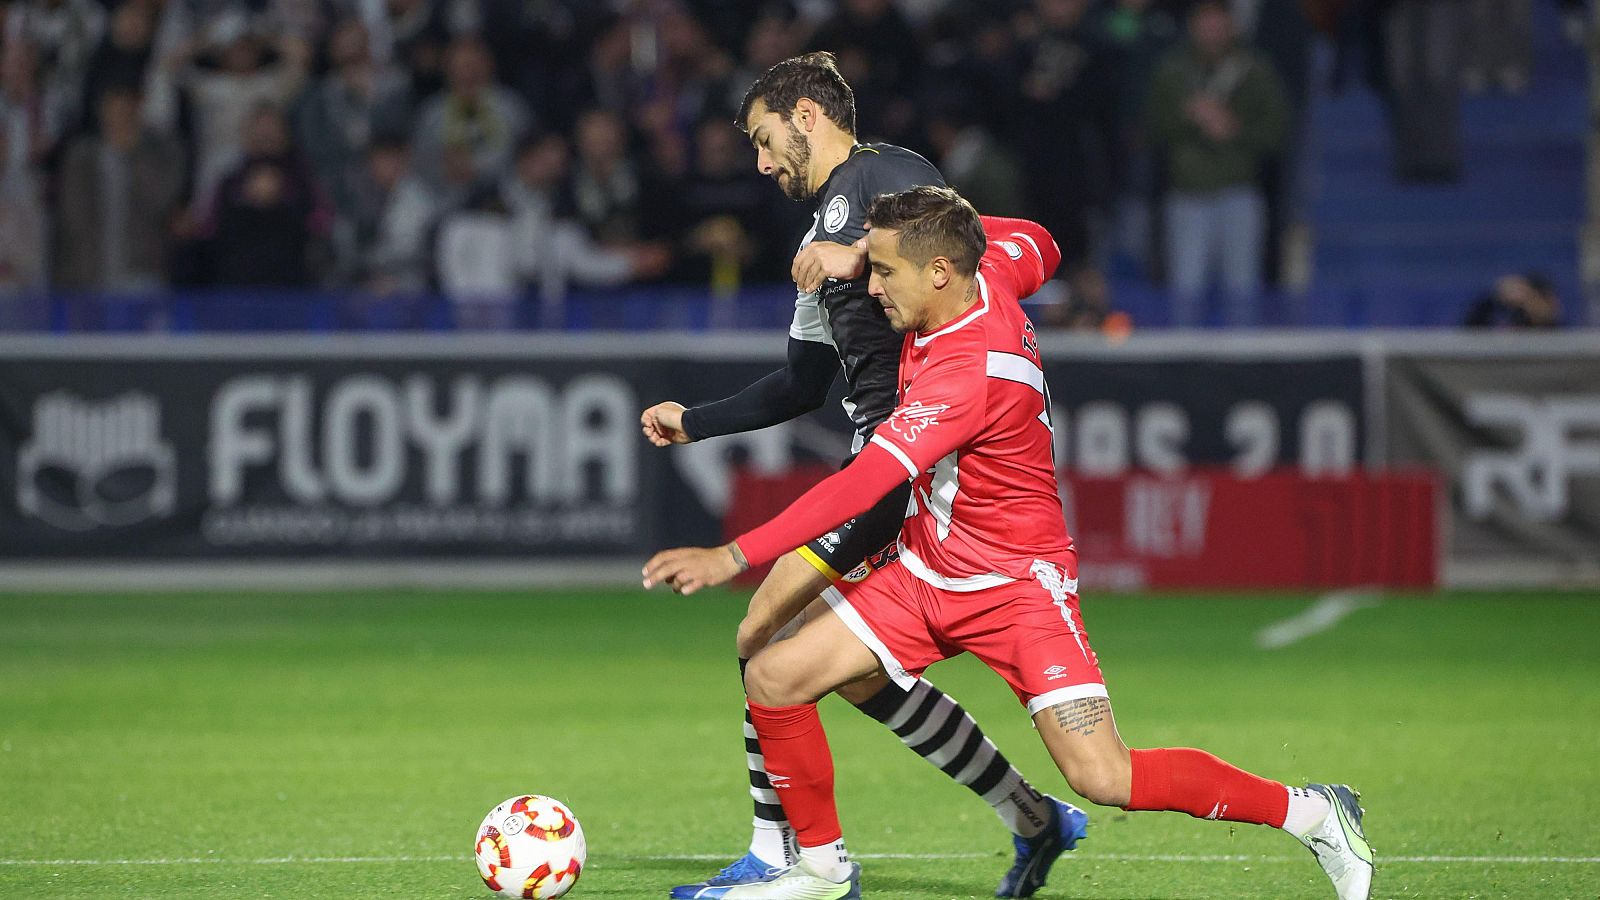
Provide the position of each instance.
(492, 150)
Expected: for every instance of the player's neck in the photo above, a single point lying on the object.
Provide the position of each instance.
(948, 311)
(829, 150)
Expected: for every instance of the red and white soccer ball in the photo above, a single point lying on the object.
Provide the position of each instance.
(531, 847)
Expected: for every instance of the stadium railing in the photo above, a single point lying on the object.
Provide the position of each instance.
(657, 308)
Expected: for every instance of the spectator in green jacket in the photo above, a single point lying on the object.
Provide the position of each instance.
(1217, 111)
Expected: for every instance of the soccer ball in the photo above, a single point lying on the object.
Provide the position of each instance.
(531, 847)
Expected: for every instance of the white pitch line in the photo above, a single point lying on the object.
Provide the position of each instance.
(1320, 616)
(711, 857)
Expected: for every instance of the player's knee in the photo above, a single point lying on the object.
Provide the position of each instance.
(753, 635)
(1106, 782)
(771, 684)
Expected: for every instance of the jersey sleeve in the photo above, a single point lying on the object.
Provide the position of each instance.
(942, 410)
(808, 323)
(794, 390)
(1021, 252)
(840, 497)
(843, 210)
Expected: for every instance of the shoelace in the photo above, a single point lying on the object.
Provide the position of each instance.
(740, 864)
(732, 868)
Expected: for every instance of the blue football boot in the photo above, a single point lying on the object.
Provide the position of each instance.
(747, 869)
(1036, 854)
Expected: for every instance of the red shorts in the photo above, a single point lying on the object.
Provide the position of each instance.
(1030, 632)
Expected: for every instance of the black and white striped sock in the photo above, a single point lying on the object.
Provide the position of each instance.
(772, 840)
(934, 725)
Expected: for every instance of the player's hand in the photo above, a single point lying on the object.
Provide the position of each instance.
(821, 260)
(688, 569)
(663, 424)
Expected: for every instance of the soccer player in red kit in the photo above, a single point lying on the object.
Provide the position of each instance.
(986, 565)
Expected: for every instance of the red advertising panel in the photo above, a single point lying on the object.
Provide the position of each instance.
(1207, 528)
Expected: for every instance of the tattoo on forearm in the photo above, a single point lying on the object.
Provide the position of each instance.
(1083, 716)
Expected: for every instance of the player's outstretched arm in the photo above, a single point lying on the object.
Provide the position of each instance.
(840, 497)
(798, 388)
(941, 414)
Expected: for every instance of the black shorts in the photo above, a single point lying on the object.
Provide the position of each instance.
(864, 543)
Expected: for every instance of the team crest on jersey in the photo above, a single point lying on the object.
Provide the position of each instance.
(858, 574)
(837, 213)
(911, 421)
(1012, 248)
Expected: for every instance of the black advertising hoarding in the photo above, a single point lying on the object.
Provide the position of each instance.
(526, 447)
(1517, 434)
(318, 456)
(1249, 415)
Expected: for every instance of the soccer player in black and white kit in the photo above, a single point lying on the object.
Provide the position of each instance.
(800, 117)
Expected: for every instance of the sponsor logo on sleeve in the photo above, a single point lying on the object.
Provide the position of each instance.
(912, 420)
(1011, 248)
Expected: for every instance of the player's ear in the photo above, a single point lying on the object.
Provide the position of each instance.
(939, 270)
(806, 113)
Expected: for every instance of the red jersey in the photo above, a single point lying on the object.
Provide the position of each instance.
(972, 430)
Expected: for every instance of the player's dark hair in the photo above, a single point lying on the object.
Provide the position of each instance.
(813, 75)
(932, 221)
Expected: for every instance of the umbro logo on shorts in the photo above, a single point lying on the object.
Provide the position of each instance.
(1056, 672)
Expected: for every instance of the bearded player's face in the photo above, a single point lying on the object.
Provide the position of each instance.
(783, 152)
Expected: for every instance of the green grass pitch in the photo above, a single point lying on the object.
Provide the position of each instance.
(346, 745)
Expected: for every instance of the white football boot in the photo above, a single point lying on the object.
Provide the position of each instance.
(800, 882)
(1340, 845)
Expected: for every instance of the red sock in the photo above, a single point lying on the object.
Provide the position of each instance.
(801, 768)
(1195, 782)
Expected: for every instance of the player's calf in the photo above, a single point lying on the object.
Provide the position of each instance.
(1105, 782)
(1081, 735)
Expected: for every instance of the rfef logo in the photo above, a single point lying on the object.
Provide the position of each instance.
(1543, 444)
